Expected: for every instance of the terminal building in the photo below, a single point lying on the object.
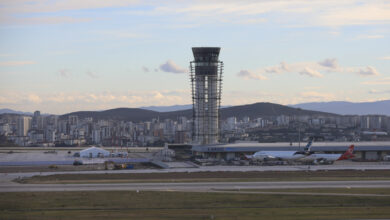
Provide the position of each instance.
(365, 151)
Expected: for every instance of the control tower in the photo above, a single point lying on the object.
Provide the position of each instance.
(206, 81)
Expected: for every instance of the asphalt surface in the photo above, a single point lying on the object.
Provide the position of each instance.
(189, 187)
(6, 184)
(363, 166)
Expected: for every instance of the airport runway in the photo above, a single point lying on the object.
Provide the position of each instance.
(355, 166)
(8, 177)
(192, 187)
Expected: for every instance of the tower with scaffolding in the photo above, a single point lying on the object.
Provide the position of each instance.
(206, 81)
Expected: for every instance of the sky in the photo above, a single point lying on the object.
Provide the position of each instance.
(61, 56)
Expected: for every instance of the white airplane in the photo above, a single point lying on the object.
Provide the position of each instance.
(328, 158)
(280, 155)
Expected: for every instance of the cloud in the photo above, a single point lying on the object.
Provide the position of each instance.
(27, 12)
(383, 81)
(312, 69)
(314, 95)
(378, 36)
(250, 21)
(64, 102)
(43, 20)
(374, 91)
(172, 67)
(121, 34)
(6, 55)
(368, 71)
(41, 6)
(16, 63)
(334, 33)
(245, 74)
(281, 12)
(385, 58)
(298, 13)
(145, 69)
(353, 12)
(34, 98)
(330, 63)
(310, 72)
(92, 74)
(65, 73)
(283, 67)
(304, 68)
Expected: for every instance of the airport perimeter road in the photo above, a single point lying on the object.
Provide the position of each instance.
(198, 186)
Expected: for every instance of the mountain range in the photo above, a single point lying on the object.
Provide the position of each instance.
(173, 108)
(349, 108)
(167, 108)
(10, 111)
(253, 111)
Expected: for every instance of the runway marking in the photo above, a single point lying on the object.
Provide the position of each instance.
(198, 186)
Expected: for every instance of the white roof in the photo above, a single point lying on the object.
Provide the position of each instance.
(94, 149)
(303, 143)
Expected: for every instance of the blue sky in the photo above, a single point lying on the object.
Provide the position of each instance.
(62, 56)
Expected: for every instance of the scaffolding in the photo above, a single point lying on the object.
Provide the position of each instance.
(206, 83)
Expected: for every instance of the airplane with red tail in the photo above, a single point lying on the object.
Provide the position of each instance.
(321, 158)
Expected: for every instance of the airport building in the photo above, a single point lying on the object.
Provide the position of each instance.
(365, 151)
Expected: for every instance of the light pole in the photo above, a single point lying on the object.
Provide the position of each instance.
(299, 129)
(299, 134)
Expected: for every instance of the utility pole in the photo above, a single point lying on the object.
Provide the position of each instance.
(299, 129)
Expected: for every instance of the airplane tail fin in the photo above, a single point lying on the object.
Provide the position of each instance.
(348, 154)
(308, 146)
(248, 157)
(306, 150)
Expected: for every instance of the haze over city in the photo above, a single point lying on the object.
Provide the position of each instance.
(64, 56)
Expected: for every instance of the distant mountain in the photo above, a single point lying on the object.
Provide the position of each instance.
(265, 109)
(172, 108)
(349, 108)
(252, 111)
(10, 111)
(126, 114)
(168, 108)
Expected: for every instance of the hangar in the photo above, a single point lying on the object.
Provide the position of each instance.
(365, 151)
(94, 152)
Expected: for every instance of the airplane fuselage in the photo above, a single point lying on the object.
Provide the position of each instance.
(318, 158)
(277, 155)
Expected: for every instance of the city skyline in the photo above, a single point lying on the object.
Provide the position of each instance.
(65, 56)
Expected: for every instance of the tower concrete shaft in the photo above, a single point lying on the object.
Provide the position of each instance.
(206, 80)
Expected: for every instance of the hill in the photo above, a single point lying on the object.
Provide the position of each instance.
(137, 115)
(125, 114)
(265, 109)
(167, 108)
(349, 108)
(10, 111)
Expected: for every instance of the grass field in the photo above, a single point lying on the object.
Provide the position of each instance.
(212, 176)
(185, 205)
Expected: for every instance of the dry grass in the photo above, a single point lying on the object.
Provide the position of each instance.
(183, 205)
(211, 177)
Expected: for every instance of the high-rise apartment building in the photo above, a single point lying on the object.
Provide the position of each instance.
(24, 124)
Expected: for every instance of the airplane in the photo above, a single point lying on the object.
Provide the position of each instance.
(280, 155)
(321, 158)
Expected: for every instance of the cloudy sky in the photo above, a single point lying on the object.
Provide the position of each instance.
(60, 56)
